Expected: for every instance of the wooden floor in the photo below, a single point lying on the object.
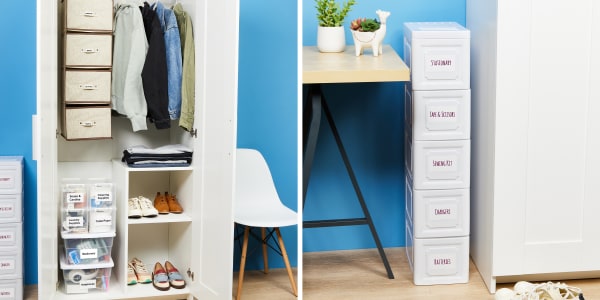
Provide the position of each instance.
(359, 274)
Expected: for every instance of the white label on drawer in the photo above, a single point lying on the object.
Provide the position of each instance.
(441, 264)
(7, 264)
(442, 117)
(75, 197)
(442, 215)
(90, 284)
(88, 253)
(7, 181)
(102, 219)
(442, 166)
(7, 209)
(437, 63)
(7, 293)
(73, 222)
(7, 236)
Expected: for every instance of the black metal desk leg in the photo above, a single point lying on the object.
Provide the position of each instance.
(311, 125)
(357, 189)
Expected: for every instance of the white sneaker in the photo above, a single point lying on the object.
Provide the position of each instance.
(147, 206)
(134, 209)
(558, 291)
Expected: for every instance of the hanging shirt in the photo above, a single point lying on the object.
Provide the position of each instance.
(188, 80)
(129, 53)
(168, 23)
(154, 73)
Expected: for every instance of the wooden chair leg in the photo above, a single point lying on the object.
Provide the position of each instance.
(264, 247)
(242, 263)
(287, 262)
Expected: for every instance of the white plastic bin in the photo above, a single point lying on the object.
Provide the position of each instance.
(438, 55)
(438, 115)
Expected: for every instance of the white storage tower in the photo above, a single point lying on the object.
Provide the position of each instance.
(11, 227)
(437, 148)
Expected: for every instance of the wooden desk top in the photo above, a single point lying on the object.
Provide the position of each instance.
(342, 67)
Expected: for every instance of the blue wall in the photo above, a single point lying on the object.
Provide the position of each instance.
(17, 104)
(267, 102)
(369, 118)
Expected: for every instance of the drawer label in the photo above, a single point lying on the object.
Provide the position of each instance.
(88, 253)
(443, 166)
(7, 236)
(7, 264)
(7, 293)
(7, 181)
(442, 215)
(438, 63)
(7, 209)
(90, 284)
(74, 222)
(101, 219)
(440, 264)
(75, 197)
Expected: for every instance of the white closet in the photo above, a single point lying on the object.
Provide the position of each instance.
(200, 241)
(536, 139)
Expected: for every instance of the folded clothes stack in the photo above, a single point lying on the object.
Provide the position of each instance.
(176, 155)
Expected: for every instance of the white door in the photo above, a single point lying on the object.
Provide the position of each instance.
(547, 137)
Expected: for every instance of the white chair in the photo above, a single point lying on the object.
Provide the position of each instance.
(257, 205)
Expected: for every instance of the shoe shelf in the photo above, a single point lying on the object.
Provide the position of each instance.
(154, 239)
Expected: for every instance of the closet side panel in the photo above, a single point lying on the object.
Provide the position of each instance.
(481, 21)
(47, 100)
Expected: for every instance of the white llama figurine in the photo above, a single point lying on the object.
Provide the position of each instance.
(374, 39)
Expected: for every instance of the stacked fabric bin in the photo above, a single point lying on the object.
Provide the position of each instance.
(437, 149)
(11, 227)
(88, 218)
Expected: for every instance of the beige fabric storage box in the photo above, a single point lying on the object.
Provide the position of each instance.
(88, 50)
(87, 87)
(84, 15)
(91, 122)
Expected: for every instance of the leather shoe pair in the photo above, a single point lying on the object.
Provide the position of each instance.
(169, 276)
(167, 204)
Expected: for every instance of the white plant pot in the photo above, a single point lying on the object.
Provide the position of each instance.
(331, 39)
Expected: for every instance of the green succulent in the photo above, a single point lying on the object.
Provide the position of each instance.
(330, 14)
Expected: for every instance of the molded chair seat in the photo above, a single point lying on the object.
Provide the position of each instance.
(257, 204)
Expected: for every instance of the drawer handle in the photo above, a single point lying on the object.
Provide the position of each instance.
(90, 50)
(88, 86)
(88, 124)
(89, 14)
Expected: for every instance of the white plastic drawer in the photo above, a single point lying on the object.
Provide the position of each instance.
(87, 123)
(439, 115)
(11, 208)
(438, 54)
(11, 289)
(89, 15)
(84, 87)
(11, 264)
(11, 237)
(438, 260)
(439, 164)
(88, 50)
(11, 174)
(438, 213)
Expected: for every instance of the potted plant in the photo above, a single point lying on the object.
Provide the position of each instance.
(331, 16)
(369, 33)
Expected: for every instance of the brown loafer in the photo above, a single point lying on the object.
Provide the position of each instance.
(174, 206)
(160, 203)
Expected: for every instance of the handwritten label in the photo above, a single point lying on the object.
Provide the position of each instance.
(7, 293)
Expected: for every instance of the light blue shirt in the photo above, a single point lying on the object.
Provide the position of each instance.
(168, 23)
